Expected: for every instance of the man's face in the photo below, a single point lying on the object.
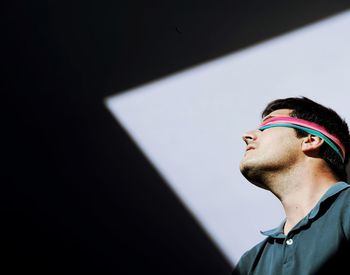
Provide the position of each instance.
(271, 150)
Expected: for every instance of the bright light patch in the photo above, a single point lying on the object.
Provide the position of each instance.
(189, 125)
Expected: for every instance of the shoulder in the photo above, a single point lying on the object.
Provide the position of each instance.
(248, 258)
(337, 197)
(343, 199)
(341, 210)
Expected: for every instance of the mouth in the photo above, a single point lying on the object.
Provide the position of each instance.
(249, 147)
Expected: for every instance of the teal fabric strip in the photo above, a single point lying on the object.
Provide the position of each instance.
(310, 131)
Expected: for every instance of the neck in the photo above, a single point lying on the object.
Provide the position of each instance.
(300, 188)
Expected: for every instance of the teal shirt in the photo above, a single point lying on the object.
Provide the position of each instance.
(316, 245)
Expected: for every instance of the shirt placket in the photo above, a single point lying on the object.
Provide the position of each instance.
(288, 254)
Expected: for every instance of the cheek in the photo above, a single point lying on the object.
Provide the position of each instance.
(283, 149)
(276, 146)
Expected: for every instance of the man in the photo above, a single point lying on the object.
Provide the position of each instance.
(299, 153)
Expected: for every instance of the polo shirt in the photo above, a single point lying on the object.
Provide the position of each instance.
(317, 244)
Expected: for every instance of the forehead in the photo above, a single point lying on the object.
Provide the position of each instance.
(279, 112)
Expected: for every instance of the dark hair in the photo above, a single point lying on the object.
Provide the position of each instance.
(305, 108)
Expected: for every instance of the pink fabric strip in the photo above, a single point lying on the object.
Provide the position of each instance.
(305, 123)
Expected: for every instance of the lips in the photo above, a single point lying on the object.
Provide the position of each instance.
(250, 147)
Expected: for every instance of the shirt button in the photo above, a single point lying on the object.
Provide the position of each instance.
(289, 242)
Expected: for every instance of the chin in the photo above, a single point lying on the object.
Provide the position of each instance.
(252, 173)
(248, 169)
(248, 165)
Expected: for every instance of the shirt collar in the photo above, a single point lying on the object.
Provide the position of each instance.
(278, 231)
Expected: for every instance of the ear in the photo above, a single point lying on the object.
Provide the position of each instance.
(311, 145)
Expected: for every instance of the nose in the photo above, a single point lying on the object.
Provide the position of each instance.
(249, 137)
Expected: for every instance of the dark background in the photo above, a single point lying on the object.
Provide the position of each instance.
(78, 196)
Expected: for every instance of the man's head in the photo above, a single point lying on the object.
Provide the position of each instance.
(279, 148)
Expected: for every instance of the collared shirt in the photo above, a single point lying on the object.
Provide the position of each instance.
(315, 245)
